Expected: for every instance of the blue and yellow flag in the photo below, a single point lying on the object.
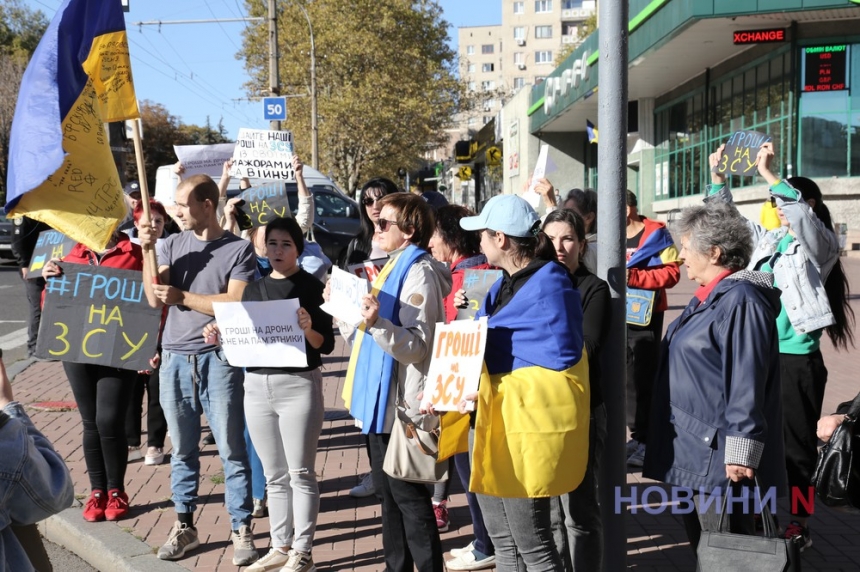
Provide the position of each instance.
(61, 170)
(591, 130)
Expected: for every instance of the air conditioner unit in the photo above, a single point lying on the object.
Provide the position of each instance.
(568, 39)
(567, 13)
(521, 41)
(521, 66)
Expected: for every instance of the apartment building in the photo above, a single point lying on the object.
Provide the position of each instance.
(480, 51)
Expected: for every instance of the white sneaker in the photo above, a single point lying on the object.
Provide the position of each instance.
(363, 489)
(470, 561)
(134, 454)
(274, 560)
(458, 551)
(637, 459)
(154, 456)
(244, 552)
(259, 508)
(299, 562)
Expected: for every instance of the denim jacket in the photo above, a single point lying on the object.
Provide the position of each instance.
(801, 271)
(34, 483)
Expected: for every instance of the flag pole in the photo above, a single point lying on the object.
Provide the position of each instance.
(148, 251)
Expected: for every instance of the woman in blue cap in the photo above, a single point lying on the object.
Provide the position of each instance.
(532, 412)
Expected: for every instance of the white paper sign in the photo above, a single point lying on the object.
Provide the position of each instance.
(455, 367)
(261, 334)
(204, 159)
(368, 269)
(532, 196)
(263, 154)
(346, 291)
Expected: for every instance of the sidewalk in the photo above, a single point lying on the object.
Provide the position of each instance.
(348, 535)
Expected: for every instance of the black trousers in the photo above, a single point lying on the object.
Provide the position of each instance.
(409, 533)
(33, 289)
(156, 424)
(102, 394)
(643, 355)
(803, 381)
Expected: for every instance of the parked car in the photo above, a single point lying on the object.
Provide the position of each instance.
(336, 221)
(6, 230)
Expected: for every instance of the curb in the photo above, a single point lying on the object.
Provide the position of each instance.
(18, 367)
(105, 546)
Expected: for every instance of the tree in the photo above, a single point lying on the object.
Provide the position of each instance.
(588, 26)
(20, 31)
(386, 82)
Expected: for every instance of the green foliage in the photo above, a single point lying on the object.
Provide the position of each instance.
(588, 26)
(386, 83)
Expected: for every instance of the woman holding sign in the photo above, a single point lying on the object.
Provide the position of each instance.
(521, 460)
(103, 394)
(284, 406)
(388, 366)
(803, 255)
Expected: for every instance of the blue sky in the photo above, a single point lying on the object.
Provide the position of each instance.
(192, 70)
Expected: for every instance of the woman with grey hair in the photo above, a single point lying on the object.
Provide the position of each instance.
(716, 410)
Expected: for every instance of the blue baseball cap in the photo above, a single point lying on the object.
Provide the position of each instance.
(509, 214)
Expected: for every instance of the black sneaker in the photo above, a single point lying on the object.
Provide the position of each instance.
(796, 530)
(209, 439)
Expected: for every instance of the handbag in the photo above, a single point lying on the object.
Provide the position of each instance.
(837, 473)
(411, 453)
(313, 260)
(720, 550)
(640, 305)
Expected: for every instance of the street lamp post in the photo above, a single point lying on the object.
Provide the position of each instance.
(274, 82)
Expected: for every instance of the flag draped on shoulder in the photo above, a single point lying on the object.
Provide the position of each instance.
(61, 170)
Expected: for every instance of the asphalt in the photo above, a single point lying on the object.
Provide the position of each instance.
(349, 533)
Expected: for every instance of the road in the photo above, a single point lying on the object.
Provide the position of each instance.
(13, 314)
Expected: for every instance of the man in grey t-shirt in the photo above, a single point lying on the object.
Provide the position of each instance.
(201, 265)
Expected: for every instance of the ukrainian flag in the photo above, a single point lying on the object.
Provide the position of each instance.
(61, 170)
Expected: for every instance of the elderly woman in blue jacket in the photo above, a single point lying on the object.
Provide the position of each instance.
(803, 256)
(716, 410)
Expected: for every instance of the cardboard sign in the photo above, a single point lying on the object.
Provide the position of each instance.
(740, 153)
(455, 367)
(263, 154)
(262, 204)
(346, 292)
(476, 283)
(98, 315)
(369, 269)
(50, 244)
(261, 334)
(204, 159)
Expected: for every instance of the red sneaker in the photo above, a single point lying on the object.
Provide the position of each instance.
(94, 510)
(117, 505)
(441, 512)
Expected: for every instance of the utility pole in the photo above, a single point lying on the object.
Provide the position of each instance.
(611, 265)
(274, 80)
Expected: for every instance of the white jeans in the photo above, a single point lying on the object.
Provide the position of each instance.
(284, 413)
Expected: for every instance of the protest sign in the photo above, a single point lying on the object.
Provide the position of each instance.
(50, 244)
(346, 291)
(204, 159)
(263, 154)
(262, 204)
(739, 155)
(532, 196)
(476, 283)
(369, 269)
(261, 334)
(98, 315)
(455, 366)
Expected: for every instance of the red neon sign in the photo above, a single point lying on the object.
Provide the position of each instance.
(759, 36)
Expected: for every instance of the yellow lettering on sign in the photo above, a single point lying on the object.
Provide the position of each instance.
(86, 338)
(62, 338)
(133, 347)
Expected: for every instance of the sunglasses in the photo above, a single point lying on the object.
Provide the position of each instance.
(368, 201)
(384, 224)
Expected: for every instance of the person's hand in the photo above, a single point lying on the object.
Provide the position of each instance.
(545, 189)
(467, 404)
(144, 233)
(714, 161)
(460, 300)
(305, 322)
(369, 310)
(168, 295)
(230, 208)
(827, 425)
(225, 168)
(737, 473)
(155, 361)
(52, 268)
(298, 167)
(24, 272)
(6, 396)
(179, 169)
(211, 334)
(327, 291)
(763, 160)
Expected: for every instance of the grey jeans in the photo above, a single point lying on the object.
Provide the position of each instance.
(284, 413)
(521, 530)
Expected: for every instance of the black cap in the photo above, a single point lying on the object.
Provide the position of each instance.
(131, 187)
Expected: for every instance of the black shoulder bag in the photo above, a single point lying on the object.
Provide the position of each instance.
(837, 474)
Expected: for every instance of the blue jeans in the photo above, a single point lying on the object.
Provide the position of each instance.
(192, 385)
(482, 542)
(258, 478)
